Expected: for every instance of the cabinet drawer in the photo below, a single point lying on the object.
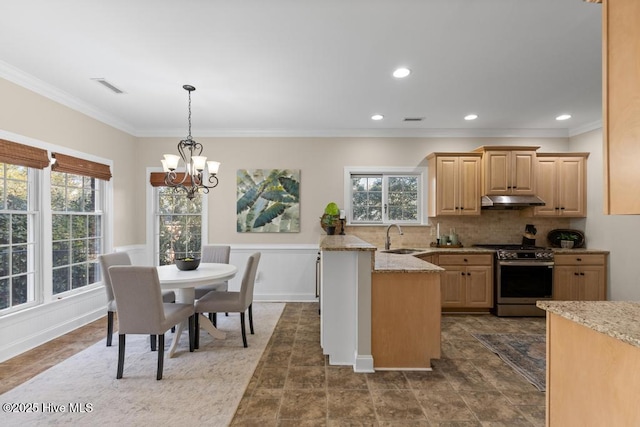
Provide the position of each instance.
(579, 259)
(462, 259)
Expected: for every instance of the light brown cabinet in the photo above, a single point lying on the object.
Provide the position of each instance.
(561, 183)
(467, 281)
(508, 170)
(621, 44)
(580, 277)
(454, 184)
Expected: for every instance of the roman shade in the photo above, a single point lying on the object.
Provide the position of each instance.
(23, 155)
(75, 165)
(157, 179)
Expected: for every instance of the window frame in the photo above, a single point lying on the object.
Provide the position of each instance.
(385, 172)
(153, 225)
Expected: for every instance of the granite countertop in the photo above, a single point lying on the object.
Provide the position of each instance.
(394, 263)
(578, 251)
(617, 319)
(345, 243)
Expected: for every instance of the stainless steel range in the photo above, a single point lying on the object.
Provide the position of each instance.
(523, 275)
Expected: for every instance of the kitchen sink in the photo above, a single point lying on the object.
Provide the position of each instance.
(402, 251)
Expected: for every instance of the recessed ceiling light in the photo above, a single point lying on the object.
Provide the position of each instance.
(401, 73)
(471, 117)
(377, 117)
(563, 117)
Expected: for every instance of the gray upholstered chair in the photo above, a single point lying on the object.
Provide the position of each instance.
(232, 302)
(141, 310)
(214, 253)
(120, 258)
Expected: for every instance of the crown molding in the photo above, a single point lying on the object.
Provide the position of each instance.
(585, 128)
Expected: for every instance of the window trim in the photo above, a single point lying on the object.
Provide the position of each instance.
(151, 213)
(386, 171)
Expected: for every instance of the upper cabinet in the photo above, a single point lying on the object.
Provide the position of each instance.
(621, 44)
(454, 184)
(508, 170)
(561, 183)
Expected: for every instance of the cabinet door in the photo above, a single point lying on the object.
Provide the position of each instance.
(479, 287)
(452, 287)
(496, 173)
(522, 172)
(592, 283)
(564, 283)
(469, 191)
(571, 187)
(546, 187)
(447, 176)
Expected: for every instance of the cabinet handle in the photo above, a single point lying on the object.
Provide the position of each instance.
(576, 274)
(557, 208)
(578, 259)
(562, 208)
(461, 208)
(465, 260)
(582, 274)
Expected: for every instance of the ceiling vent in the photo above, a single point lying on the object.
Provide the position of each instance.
(413, 119)
(108, 85)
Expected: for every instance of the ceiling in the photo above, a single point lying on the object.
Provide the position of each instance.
(311, 67)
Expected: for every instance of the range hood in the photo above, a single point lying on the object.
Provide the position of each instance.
(510, 202)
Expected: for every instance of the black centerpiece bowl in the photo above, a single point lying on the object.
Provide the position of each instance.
(185, 264)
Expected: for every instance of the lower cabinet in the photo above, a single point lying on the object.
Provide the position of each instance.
(467, 281)
(580, 277)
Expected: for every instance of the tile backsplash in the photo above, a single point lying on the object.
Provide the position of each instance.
(493, 226)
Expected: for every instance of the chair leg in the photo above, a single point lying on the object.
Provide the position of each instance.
(213, 318)
(196, 328)
(160, 356)
(251, 318)
(192, 337)
(173, 329)
(109, 327)
(121, 342)
(244, 333)
(153, 343)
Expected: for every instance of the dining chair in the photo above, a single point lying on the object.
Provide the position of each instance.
(214, 253)
(232, 302)
(141, 309)
(120, 258)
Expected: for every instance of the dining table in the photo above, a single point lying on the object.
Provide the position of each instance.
(184, 283)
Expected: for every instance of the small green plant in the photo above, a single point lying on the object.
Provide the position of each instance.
(331, 215)
(568, 236)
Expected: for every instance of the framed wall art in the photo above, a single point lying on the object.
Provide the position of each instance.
(268, 201)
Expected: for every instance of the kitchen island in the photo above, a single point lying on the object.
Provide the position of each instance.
(370, 303)
(593, 363)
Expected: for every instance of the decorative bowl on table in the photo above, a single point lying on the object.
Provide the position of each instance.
(187, 263)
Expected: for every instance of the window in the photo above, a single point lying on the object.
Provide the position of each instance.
(17, 236)
(77, 231)
(178, 225)
(377, 196)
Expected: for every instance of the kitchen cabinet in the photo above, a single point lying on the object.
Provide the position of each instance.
(467, 282)
(561, 181)
(405, 319)
(508, 170)
(580, 277)
(454, 184)
(621, 95)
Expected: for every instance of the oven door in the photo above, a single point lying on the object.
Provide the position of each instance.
(524, 282)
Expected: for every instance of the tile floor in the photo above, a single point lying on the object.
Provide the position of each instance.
(294, 385)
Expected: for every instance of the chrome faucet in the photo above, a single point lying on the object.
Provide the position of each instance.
(387, 243)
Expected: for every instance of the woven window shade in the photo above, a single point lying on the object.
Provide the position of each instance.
(23, 155)
(75, 165)
(157, 179)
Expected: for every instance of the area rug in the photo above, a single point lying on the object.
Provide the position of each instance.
(199, 388)
(523, 352)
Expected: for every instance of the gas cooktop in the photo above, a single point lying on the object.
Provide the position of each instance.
(520, 252)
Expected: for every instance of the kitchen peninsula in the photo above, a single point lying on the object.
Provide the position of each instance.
(378, 310)
(593, 360)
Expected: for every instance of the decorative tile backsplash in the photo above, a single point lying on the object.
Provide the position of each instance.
(493, 226)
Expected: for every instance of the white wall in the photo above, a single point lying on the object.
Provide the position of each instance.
(619, 234)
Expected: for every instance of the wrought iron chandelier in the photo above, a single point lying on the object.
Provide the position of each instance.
(199, 174)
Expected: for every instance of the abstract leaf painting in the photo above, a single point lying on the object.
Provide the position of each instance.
(268, 201)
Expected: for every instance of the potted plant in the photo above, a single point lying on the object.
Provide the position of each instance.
(567, 240)
(329, 220)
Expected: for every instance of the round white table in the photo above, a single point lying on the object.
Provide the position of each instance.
(184, 284)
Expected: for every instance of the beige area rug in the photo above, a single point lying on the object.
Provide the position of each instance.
(199, 388)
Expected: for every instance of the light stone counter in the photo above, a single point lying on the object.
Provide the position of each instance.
(345, 243)
(394, 263)
(617, 319)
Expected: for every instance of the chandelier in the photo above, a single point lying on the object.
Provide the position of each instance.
(199, 174)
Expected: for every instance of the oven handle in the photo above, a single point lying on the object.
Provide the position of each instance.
(528, 263)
